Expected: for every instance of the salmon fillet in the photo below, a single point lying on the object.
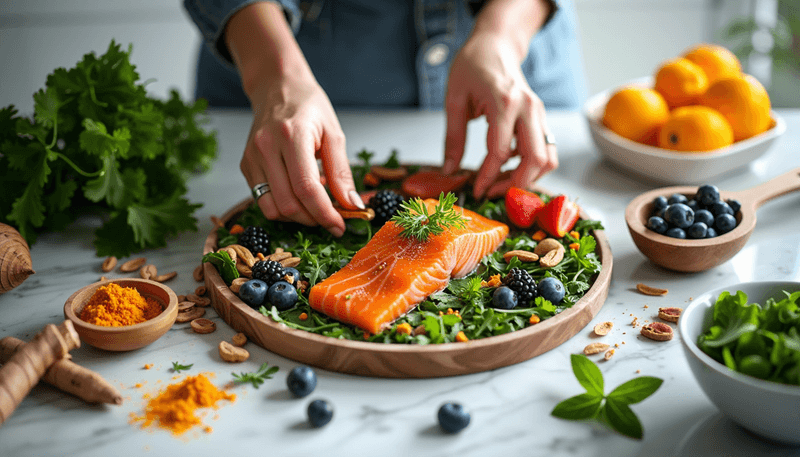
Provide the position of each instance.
(392, 274)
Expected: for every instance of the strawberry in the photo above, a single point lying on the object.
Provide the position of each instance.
(522, 206)
(558, 216)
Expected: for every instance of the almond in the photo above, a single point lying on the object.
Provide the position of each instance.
(278, 256)
(237, 283)
(547, 245)
(647, 290)
(165, 277)
(132, 265)
(595, 348)
(552, 258)
(603, 328)
(108, 264)
(523, 256)
(290, 262)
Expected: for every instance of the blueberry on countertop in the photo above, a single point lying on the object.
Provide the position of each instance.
(453, 417)
(704, 216)
(724, 223)
(680, 215)
(319, 413)
(551, 289)
(504, 298)
(676, 232)
(707, 195)
(282, 295)
(677, 198)
(697, 231)
(657, 224)
(253, 293)
(301, 381)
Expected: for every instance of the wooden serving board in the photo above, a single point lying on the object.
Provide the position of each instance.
(404, 360)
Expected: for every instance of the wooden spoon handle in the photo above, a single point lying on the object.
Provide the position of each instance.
(775, 187)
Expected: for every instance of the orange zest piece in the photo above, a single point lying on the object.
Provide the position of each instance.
(539, 235)
(534, 319)
(574, 246)
(461, 337)
(404, 328)
(494, 281)
(575, 235)
(236, 229)
(302, 316)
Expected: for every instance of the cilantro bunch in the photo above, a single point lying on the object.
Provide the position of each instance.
(98, 144)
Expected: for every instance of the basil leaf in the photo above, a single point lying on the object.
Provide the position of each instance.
(622, 419)
(579, 407)
(635, 390)
(587, 373)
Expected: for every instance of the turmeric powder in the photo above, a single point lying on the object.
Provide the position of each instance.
(115, 306)
(174, 408)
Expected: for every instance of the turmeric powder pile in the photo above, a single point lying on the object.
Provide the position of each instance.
(174, 408)
(115, 306)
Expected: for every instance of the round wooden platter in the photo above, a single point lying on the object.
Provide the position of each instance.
(404, 360)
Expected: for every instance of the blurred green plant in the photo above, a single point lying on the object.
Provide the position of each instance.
(785, 52)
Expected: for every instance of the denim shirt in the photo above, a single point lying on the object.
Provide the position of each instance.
(388, 53)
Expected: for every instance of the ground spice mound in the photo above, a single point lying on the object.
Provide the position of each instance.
(174, 408)
(115, 306)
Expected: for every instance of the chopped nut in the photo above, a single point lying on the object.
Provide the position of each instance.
(203, 325)
(552, 258)
(523, 256)
(290, 262)
(237, 283)
(184, 305)
(200, 291)
(603, 328)
(647, 290)
(231, 353)
(109, 264)
(190, 314)
(657, 331)
(198, 274)
(420, 330)
(670, 314)
(103, 278)
(132, 265)
(148, 271)
(165, 277)
(547, 245)
(240, 339)
(302, 286)
(609, 354)
(595, 348)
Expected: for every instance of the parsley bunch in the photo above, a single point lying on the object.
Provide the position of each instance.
(97, 143)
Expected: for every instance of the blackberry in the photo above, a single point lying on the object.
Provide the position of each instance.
(255, 239)
(521, 282)
(385, 203)
(268, 271)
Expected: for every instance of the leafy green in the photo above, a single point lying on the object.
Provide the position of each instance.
(257, 378)
(417, 222)
(98, 144)
(225, 265)
(760, 341)
(611, 409)
(177, 368)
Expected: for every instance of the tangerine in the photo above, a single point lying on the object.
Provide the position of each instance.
(716, 61)
(695, 128)
(680, 82)
(743, 101)
(635, 113)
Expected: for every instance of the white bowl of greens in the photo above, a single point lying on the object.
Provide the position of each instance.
(743, 347)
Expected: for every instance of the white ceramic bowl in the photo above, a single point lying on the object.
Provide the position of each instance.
(672, 167)
(768, 409)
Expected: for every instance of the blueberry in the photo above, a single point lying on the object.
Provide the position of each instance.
(680, 215)
(319, 413)
(677, 198)
(253, 292)
(301, 381)
(697, 231)
(735, 205)
(693, 204)
(707, 195)
(453, 417)
(724, 223)
(711, 233)
(657, 224)
(659, 202)
(661, 213)
(282, 295)
(719, 208)
(504, 298)
(704, 216)
(676, 232)
(293, 272)
(551, 289)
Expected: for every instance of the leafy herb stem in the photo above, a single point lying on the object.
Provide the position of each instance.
(177, 368)
(256, 379)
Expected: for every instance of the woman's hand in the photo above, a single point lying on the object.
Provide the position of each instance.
(486, 79)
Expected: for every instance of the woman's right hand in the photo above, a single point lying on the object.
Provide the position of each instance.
(294, 124)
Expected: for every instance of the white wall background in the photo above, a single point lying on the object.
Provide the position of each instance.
(621, 39)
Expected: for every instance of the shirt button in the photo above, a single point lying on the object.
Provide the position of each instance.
(437, 54)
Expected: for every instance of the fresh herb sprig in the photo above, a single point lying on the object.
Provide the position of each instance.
(257, 378)
(419, 223)
(612, 409)
(177, 367)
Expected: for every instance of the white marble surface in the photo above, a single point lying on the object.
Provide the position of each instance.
(510, 407)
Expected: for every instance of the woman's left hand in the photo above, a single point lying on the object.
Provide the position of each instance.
(486, 79)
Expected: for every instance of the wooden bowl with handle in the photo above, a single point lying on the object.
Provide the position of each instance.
(403, 360)
(700, 255)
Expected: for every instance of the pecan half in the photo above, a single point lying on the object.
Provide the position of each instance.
(670, 314)
(595, 348)
(108, 264)
(132, 265)
(523, 256)
(657, 331)
(647, 290)
(203, 325)
(603, 328)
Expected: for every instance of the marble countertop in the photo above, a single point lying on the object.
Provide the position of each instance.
(510, 407)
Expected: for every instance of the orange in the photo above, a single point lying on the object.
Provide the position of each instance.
(635, 113)
(680, 82)
(743, 101)
(695, 128)
(716, 61)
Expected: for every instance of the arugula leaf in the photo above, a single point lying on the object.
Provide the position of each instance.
(257, 378)
(177, 368)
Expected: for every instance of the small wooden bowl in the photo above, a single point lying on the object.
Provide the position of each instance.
(129, 337)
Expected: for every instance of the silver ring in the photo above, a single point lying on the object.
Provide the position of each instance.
(260, 189)
(549, 139)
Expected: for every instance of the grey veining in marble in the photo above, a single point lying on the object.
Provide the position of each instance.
(510, 407)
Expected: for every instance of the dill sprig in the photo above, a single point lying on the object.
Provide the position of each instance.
(418, 223)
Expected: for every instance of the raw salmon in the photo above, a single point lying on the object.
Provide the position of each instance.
(392, 274)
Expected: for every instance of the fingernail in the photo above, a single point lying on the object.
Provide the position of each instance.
(356, 199)
(336, 231)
